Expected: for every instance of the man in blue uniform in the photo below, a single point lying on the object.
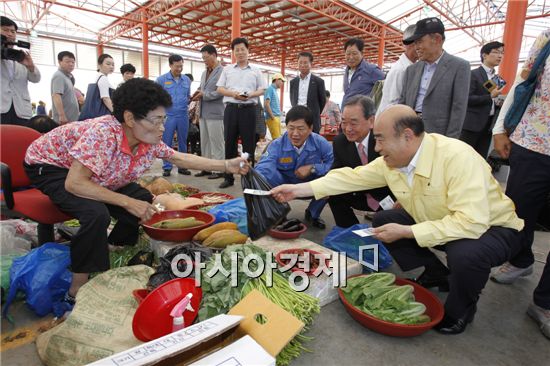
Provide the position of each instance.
(178, 86)
(300, 155)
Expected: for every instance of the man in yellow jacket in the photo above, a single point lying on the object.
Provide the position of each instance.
(449, 201)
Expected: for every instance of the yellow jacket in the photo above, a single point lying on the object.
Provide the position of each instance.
(453, 194)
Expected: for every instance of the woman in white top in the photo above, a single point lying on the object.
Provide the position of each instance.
(106, 66)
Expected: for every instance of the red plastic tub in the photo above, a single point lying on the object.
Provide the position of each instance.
(177, 235)
(223, 197)
(152, 319)
(287, 234)
(296, 268)
(434, 309)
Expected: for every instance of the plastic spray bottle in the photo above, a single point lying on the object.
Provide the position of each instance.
(178, 310)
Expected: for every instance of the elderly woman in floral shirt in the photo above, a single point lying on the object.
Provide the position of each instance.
(89, 169)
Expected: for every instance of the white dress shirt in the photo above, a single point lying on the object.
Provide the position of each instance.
(409, 169)
(393, 85)
(303, 88)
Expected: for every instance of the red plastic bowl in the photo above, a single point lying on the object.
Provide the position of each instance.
(223, 197)
(152, 319)
(177, 235)
(287, 234)
(434, 309)
(296, 267)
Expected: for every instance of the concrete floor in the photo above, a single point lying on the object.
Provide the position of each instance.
(502, 334)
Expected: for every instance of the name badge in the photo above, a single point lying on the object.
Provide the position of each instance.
(286, 160)
(167, 82)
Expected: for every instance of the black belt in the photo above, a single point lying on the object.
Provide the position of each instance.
(241, 105)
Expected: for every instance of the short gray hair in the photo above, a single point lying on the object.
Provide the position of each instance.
(365, 102)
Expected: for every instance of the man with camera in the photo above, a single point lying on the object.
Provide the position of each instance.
(483, 102)
(17, 70)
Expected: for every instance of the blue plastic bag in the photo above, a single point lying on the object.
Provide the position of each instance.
(43, 275)
(344, 240)
(233, 211)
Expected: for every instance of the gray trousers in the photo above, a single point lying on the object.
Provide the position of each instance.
(212, 138)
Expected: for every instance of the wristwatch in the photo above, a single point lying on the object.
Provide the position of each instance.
(312, 170)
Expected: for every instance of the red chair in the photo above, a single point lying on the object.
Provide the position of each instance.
(16, 200)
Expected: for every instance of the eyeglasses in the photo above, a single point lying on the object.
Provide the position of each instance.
(156, 121)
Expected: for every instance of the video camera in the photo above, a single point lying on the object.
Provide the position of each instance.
(9, 53)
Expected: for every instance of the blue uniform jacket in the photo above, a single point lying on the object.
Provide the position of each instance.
(278, 163)
(179, 91)
(362, 80)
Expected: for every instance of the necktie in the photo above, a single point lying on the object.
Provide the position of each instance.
(371, 201)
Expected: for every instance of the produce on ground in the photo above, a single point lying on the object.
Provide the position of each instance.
(184, 190)
(219, 296)
(214, 198)
(223, 238)
(306, 258)
(205, 233)
(174, 201)
(299, 304)
(289, 226)
(156, 185)
(378, 296)
(178, 223)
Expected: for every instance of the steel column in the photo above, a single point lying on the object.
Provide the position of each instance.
(283, 66)
(381, 46)
(145, 52)
(513, 32)
(235, 23)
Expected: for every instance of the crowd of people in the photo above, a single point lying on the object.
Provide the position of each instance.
(423, 148)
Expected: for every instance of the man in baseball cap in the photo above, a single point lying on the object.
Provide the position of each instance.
(393, 85)
(272, 106)
(436, 87)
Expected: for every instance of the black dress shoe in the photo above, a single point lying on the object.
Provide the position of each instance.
(215, 176)
(319, 223)
(184, 171)
(226, 183)
(166, 173)
(428, 281)
(449, 325)
(202, 173)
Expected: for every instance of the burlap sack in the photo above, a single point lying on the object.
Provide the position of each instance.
(100, 323)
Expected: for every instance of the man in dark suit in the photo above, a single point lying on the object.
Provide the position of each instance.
(436, 87)
(308, 89)
(353, 148)
(483, 105)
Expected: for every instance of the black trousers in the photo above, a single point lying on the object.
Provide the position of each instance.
(11, 118)
(342, 207)
(528, 186)
(89, 247)
(469, 260)
(239, 121)
(480, 140)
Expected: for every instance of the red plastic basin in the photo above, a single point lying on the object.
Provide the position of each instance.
(177, 235)
(152, 319)
(434, 309)
(287, 234)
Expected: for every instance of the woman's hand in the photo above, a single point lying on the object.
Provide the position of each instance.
(141, 209)
(238, 165)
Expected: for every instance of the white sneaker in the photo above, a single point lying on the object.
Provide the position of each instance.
(542, 317)
(507, 273)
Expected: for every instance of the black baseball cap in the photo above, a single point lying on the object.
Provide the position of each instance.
(7, 22)
(426, 26)
(487, 48)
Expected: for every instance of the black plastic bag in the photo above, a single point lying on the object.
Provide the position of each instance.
(164, 271)
(263, 212)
